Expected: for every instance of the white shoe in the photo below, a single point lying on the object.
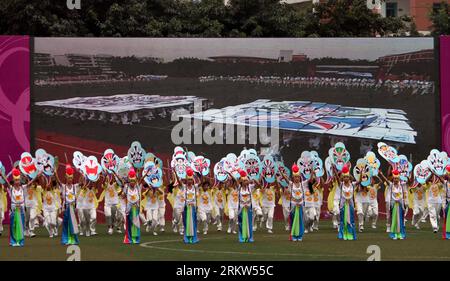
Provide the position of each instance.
(254, 228)
(269, 231)
(417, 226)
(119, 230)
(94, 233)
(435, 230)
(162, 229)
(229, 230)
(361, 229)
(286, 228)
(374, 226)
(205, 232)
(147, 228)
(50, 236)
(234, 232)
(219, 228)
(88, 234)
(306, 231)
(175, 229)
(81, 234)
(198, 231)
(388, 229)
(154, 233)
(181, 233)
(110, 231)
(32, 234)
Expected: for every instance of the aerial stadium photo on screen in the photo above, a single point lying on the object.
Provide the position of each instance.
(232, 149)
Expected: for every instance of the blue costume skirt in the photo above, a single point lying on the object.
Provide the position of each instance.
(70, 227)
(190, 224)
(16, 227)
(397, 222)
(296, 221)
(245, 219)
(347, 229)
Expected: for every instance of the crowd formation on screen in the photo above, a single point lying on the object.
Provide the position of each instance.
(413, 87)
(238, 194)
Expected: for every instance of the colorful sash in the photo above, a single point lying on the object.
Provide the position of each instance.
(245, 219)
(70, 227)
(397, 222)
(132, 226)
(16, 230)
(190, 224)
(296, 221)
(347, 230)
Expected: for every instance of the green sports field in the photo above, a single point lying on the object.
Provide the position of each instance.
(322, 245)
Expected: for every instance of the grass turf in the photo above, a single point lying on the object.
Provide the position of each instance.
(420, 244)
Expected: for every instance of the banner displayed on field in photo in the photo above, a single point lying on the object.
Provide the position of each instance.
(445, 91)
(319, 118)
(14, 98)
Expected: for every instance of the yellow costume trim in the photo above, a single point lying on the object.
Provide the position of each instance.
(330, 199)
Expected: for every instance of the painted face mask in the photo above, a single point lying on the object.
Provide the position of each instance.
(2, 171)
(339, 155)
(282, 169)
(219, 171)
(136, 155)
(179, 162)
(110, 161)
(317, 164)
(124, 167)
(27, 165)
(201, 165)
(422, 172)
(437, 161)
(389, 153)
(232, 165)
(362, 172)
(305, 164)
(404, 167)
(252, 165)
(153, 174)
(373, 162)
(91, 168)
(78, 160)
(269, 169)
(45, 162)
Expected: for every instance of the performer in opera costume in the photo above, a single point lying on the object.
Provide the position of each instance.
(245, 210)
(17, 193)
(344, 199)
(397, 201)
(296, 192)
(190, 190)
(132, 191)
(69, 192)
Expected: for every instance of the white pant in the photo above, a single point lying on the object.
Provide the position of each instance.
(418, 213)
(434, 210)
(88, 220)
(112, 215)
(204, 217)
(177, 219)
(286, 213)
(161, 216)
(232, 216)
(362, 210)
(50, 221)
(257, 214)
(310, 215)
(317, 218)
(372, 212)
(151, 218)
(30, 218)
(268, 216)
(219, 217)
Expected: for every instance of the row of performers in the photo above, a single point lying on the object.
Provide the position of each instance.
(195, 200)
